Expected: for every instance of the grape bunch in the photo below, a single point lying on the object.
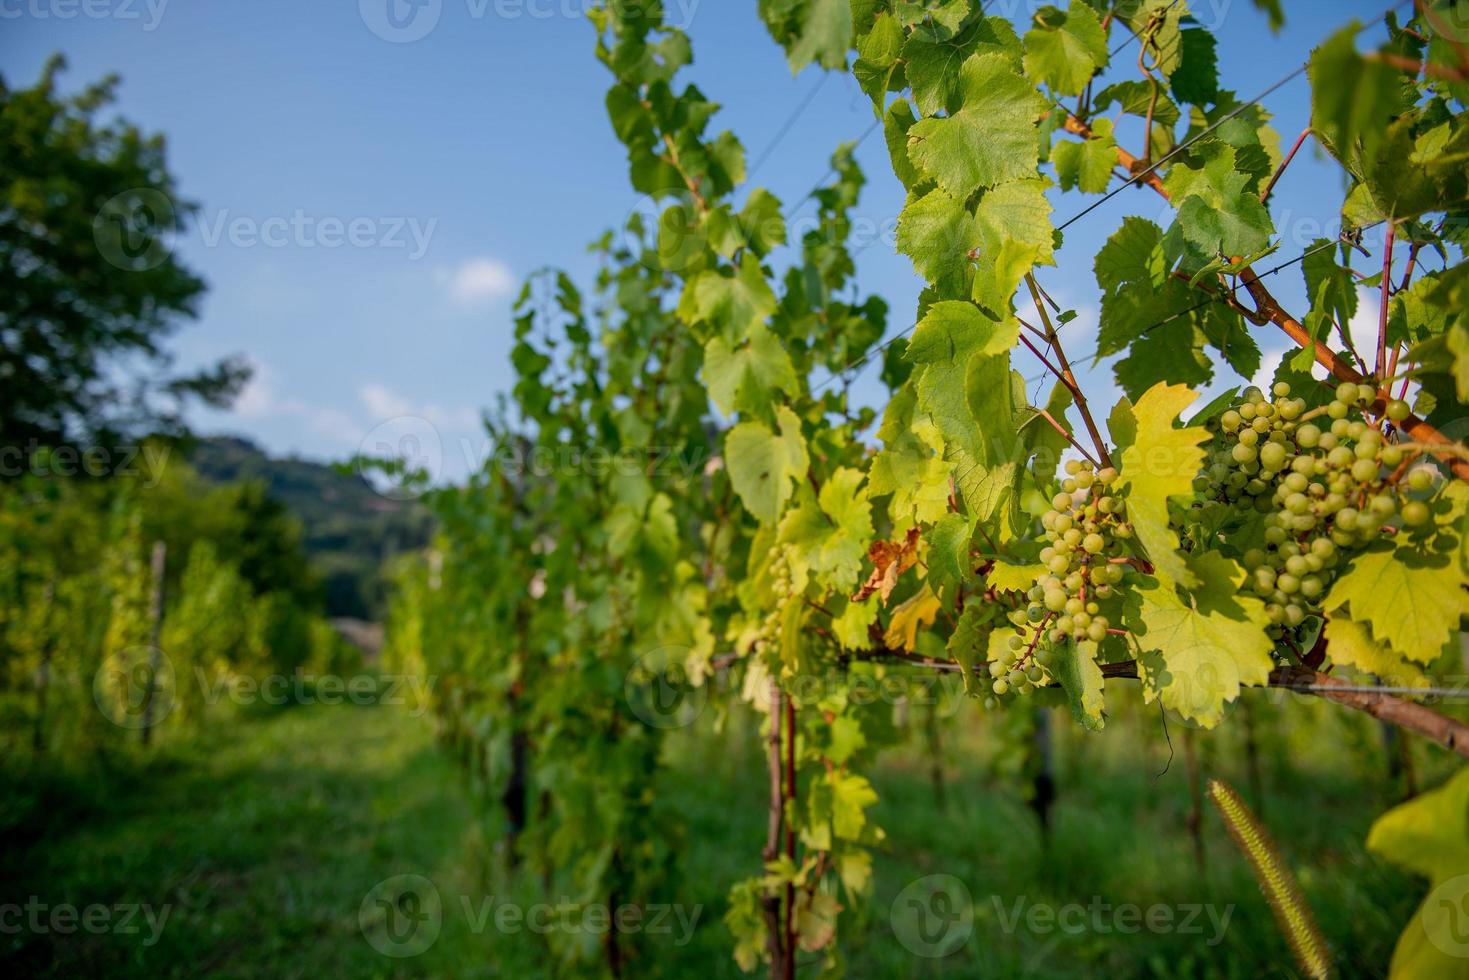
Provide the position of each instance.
(767, 634)
(1256, 447)
(1085, 558)
(1326, 481)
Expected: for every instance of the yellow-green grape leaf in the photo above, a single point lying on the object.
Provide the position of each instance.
(1430, 836)
(991, 139)
(911, 615)
(1013, 220)
(937, 233)
(850, 627)
(1350, 644)
(816, 920)
(949, 564)
(952, 329)
(911, 464)
(1161, 462)
(1066, 48)
(968, 395)
(1411, 598)
(969, 643)
(932, 61)
(745, 920)
(1075, 666)
(1014, 578)
(1087, 164)
(854, 867)
(744, 376)
(1198, 655)
(736, 304)
(851, 795)
(877, 56)
(763, 465)
(829, 534)
(844, 739)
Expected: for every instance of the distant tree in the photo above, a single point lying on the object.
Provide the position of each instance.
(89, 288)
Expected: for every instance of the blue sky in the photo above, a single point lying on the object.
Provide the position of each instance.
(463, 159)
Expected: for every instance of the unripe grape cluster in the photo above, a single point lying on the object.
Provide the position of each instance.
(768, 636)
(1257, 442)
(1324, 481)
(1085, 558)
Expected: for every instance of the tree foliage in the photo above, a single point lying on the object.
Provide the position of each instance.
(89, 289)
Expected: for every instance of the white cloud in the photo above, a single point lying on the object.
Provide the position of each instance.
(382, 403)
(258, 398)
(1269, 363)
(479, 280)
(262, 399)
(1363, 325)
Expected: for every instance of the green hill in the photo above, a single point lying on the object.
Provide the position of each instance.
(350, 530)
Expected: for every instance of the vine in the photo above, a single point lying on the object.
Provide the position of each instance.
(1310, 537)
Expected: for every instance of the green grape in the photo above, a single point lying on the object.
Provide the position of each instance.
(1415, 513)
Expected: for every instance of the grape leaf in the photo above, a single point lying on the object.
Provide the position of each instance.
(763, 465)
(1087, 164)
(1430, 836)
(1411, 598)
(1013, 578)
(1197, 78)
(1065, 49)
(736, 304)
(878, 52)
(1351, 644)
(1198, 656)
(953, 329)
(937, 233)
(1161, 462)
(744, 378)
(969, 642)
(828, 533)
(991, 139)
(911, 465)
(811, 31)
(1075, 666)
(910, 615)
(1015, 234)
(931, 59)
(1352, 99)
(948, 554)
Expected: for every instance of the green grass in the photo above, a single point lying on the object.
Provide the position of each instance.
(264, 836)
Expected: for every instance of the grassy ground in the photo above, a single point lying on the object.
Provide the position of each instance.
(273, 843)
